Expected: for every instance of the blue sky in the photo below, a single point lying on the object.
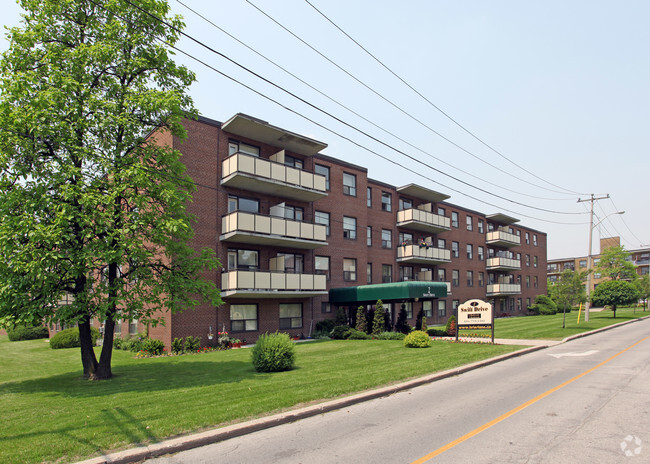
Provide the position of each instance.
(559, 88)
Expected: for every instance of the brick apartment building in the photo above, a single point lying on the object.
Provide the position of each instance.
(288, 224)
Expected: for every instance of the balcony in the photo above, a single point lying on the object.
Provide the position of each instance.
(503, 264)
(503, 239)
(424, 221)
(266, 284)
(270, 178)
(258, 229)
(422, 255)
(503, 289)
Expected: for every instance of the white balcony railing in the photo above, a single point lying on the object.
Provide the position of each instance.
(423, 254)
(502, 238)
(503, 263)
(503, 289)
(264, 176)
(417, 219)
(270, 284)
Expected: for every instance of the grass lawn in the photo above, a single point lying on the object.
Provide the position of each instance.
(550, 327)
(50, 413)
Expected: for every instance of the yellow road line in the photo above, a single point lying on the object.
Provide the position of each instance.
(486, 426)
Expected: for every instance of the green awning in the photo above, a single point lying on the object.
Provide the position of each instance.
(395, 291)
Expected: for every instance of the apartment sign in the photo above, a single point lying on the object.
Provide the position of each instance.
(475, 314)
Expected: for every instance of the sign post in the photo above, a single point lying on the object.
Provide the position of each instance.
(475, 314)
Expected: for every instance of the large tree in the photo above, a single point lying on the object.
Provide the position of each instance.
(568, 290)
(614, 264)
(94, 199)
(615, 293)
(643, 285)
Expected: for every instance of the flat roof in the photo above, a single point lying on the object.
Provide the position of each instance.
(502, 218)
(423, 193)
(262, 131)
(394, 291)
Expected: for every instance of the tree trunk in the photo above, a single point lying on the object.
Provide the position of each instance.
(104, 371)
(88, 358)
(614, 309)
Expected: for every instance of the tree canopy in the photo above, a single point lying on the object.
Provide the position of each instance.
(94, 200)
(615, 265)
(614, 293)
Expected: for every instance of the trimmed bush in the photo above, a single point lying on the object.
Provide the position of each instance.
(273, 353)
(402, 325)
(69, 338)
(544, 306)
(378, 321)
(177, 345)
(451, 326)
(354, 334)
(340, 332)
(326, 325)
(117, 343)
(192, 344)
(27, 333)
(437, 332)
(361, 320)
(152, 346)
(417, 339)
(391, 336)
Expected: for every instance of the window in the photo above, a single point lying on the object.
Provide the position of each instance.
(239, 147)
(290, 315)
(454, 219)
(527, 281)
(292, 212)
(442, 243)
(481, 253)
(519, 279)
(455, 304)
(323, 218)
(470, 253)
(490, 227)
(323, 171)
(133, 327)
(293, 263)
(405, 273)
(427, 309)
(405, 203)
(386, 200)
(369, 236)
(583, 263)
(118, 326)
(470, 278)
(527, 238)
(243, 260)
(469, 223)
(349, 184)
(480, 226)
(369, 199)
(528, 260)
(481, 279)
(243, 317)
(386, 273)
(455, 278)
(535, 239)
(534, 261)
(325, 308)
(535, 282)
(293, 162)
(349, 269)
(441, 211)
(454, 249)
(442, 275)
(386, 238)
(405, 238)
(518, 304)
(408, 306)
(349, 228)
(442, 308)
(248, 205)
(322, 266)
(369, 273)
(527, 302)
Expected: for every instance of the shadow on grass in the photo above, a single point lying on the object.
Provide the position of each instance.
(136, 377)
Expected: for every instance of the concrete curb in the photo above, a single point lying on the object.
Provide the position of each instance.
(195, 440)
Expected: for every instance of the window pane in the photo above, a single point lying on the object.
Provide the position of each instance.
(323, 171)
(349, 184)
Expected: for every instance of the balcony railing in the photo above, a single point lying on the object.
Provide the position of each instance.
(266, 284)
(503, 264)
(501, 238)
(503, 289)
(422, 254)
(421, 220)
(243, 227)
(263, 176)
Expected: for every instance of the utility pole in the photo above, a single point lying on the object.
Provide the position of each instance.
(591, 230)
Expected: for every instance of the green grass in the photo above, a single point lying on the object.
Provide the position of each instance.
(50, 413)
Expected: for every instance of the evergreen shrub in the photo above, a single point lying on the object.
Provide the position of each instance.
(354, 334)
(391, 336)
(451, 326)
(326, 325)
(19, 333)
(273, 353)
(153, 346)
(69, 338)
(340, 332)
(417, 339)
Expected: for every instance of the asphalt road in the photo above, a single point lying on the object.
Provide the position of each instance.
(585, 401)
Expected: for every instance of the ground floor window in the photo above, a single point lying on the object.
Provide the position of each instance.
(243, 317)
(133, 327)
(442, 308)
(409, 309)
(290, 315)
(427, 308)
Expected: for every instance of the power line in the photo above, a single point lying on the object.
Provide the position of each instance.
(625, 223)
(394, 105)
(431, 103)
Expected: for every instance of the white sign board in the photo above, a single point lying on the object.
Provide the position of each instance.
(475, 313)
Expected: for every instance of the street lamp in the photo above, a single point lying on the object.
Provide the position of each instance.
(591, 230)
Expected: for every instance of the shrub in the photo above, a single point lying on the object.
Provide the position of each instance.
(117, 343)
(543, 305)
(354, 334)
(19, 333)
(340, 332)
(273, 353)
(451, 326)
(391, 336)
(437, 332)
(134, 343)
(378, 321)
(417, 339)
(325, 325)
(69, 338)
(402, 325)
(177, 345)
(153, 346)
(418, 320)
(361, 320)
(192, 344)
(341, 317)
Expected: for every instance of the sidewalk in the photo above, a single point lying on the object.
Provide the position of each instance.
(196, 440)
